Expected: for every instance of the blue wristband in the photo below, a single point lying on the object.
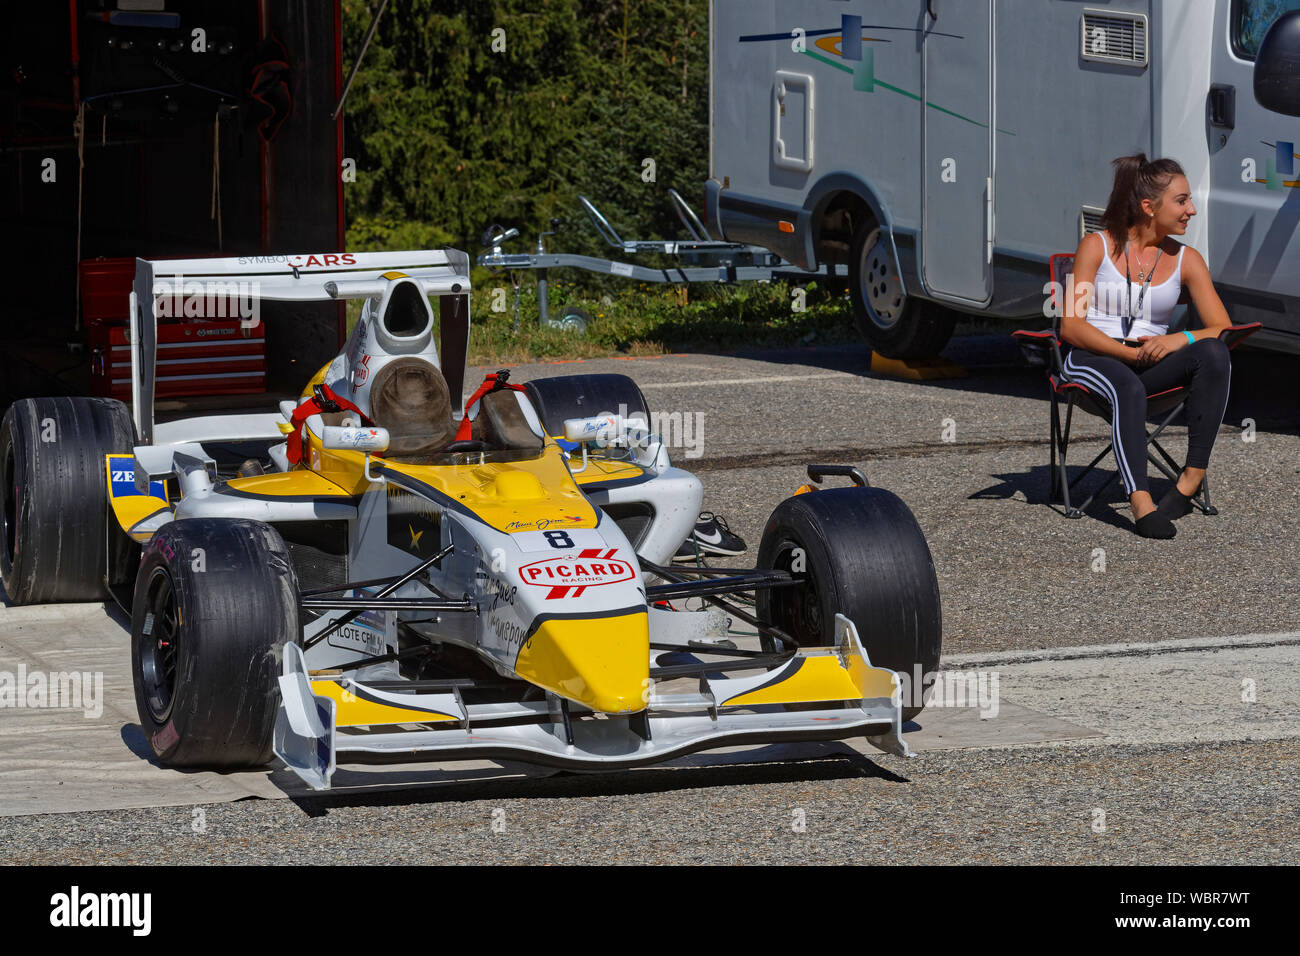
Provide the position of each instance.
(1191, 338)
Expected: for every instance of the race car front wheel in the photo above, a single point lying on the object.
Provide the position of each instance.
(216, 600)
(58, 540)
(857, 552)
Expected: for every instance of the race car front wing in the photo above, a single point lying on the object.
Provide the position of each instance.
(325, 718)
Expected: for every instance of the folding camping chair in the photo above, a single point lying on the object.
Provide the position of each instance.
(1044, 349)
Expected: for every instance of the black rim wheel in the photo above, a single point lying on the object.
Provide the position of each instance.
(159, 647)
(796, 609)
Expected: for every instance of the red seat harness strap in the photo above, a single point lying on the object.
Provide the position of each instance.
(494, 382)
(325, 400)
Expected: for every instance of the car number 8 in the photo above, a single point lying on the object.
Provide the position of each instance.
(558, 539)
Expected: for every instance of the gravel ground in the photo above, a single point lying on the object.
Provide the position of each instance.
(1014, 576)
(1217, 803)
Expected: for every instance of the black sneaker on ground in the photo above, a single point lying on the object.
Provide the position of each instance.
(714, 537)
(686, 553)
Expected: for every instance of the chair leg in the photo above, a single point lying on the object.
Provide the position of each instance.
(1100, 488)
(1054, 483)
(1062, 477)
(1202, 498)
(1169, 459)
(1170, 471)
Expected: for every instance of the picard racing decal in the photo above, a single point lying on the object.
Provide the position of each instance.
(570, 576)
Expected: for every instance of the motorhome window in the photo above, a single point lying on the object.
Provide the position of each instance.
(1251, 20)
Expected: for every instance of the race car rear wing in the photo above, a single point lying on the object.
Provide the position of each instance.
(315, 277)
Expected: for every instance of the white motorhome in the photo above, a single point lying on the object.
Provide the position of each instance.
(945, 149)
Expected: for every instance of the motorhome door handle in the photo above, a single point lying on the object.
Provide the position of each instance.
(1223, 105)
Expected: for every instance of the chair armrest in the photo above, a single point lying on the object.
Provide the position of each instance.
(1234, 335)
(1041, 349)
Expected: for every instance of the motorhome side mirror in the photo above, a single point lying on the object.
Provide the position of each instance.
(344, 438)
(1277, 66)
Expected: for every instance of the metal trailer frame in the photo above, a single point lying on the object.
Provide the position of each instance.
(703, 258)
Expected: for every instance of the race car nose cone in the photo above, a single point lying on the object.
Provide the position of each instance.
(599, 662)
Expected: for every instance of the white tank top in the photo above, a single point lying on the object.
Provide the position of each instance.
(1112, 301)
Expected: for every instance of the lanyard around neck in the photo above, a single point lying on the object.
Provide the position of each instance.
(1127, 321)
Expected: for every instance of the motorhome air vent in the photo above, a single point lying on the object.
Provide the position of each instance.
(1089, 220)
(1109, 37)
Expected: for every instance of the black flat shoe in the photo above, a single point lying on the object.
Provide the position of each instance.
(1155, 525)
(1174, 504)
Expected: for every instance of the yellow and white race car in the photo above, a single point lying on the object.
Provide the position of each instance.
(403, 575)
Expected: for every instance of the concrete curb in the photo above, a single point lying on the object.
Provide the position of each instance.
(1128, 649)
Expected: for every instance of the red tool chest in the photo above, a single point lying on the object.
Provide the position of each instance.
(195, 356)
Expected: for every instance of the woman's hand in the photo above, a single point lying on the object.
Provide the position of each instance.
(1156, 347)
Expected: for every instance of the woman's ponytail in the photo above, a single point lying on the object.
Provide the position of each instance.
(1135, 180)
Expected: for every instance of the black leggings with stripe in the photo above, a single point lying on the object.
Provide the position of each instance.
(1203, 365)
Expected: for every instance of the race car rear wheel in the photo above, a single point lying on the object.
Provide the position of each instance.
(58, 540)
(858, 552)
(216, 600)
(584, 396)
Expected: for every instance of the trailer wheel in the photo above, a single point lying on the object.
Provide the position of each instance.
(216, 600)
(894, 325)
(858, 552)
(59, 541)
(584, 396)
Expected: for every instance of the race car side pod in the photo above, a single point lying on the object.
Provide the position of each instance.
(359, 604)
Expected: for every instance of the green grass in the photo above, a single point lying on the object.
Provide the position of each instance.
(651, 319)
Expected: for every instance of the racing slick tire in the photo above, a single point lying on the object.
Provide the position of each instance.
(895, 325)
(216, 600)
(584, 396)
(59, 540)
(864, 556)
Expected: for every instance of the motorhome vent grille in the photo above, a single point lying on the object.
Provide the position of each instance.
(1089, 220)
(1107, 37)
